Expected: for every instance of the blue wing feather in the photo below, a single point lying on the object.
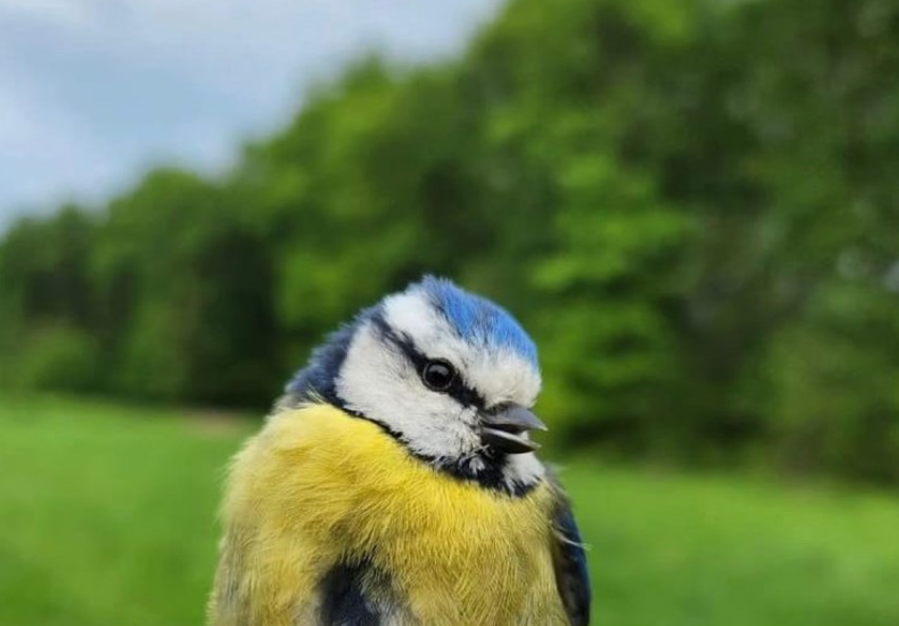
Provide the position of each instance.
(570, 562)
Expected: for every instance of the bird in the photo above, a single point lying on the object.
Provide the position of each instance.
(395, 482)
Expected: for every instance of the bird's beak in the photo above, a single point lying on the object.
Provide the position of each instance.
(505, 429)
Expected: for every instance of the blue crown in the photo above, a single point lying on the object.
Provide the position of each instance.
(478, 320)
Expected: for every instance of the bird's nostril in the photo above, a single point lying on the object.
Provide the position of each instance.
(498, 408)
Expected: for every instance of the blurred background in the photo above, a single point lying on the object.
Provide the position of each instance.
(691, 204)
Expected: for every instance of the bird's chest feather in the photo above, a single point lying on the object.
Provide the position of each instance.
(327, 514)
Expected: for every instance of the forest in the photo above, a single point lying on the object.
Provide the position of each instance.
(691, 204)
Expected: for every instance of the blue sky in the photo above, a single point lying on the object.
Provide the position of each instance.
(92, 92)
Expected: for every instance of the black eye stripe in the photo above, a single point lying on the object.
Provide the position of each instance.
(458, 390)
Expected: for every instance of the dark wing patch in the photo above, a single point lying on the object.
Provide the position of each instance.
(570, 562)
(344, 601)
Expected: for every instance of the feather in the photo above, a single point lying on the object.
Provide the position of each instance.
(569, 560)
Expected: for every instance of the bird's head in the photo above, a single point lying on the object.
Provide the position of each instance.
(449, 374)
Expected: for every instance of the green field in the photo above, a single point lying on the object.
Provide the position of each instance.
(107, 517)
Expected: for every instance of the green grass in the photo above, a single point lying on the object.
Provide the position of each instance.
(107, 517)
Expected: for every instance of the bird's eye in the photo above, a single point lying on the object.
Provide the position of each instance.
(438, 375)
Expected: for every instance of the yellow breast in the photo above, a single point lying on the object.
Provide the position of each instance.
(317, 486)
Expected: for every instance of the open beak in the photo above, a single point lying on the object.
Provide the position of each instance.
(505, 430)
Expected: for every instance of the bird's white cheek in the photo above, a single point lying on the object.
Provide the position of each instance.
(524, 469)
(377, 381)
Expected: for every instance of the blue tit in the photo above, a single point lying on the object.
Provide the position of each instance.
(395, 482)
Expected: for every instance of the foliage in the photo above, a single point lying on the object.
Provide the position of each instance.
(57, 358)
(691, 203)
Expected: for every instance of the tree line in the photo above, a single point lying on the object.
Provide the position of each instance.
(691, 204)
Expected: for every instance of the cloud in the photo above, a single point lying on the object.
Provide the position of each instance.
(42, 145)
(91, 91)
(54, 12)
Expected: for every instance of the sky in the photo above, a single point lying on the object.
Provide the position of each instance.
(93, 92)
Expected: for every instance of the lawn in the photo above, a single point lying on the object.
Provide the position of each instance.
(107, 517)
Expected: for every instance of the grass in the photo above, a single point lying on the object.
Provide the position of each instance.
(107, 517)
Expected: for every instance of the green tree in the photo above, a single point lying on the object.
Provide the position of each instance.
(185, 294)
